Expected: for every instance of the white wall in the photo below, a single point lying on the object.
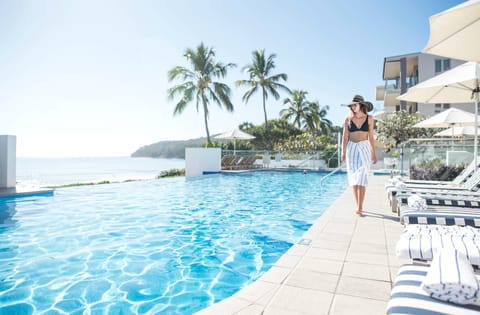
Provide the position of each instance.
(8, 155)
(426, 70)
(199, 160)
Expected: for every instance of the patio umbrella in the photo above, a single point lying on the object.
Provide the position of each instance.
(457, 131)
(448, 118)
(234, 135)
(454, 32)
(457, 85)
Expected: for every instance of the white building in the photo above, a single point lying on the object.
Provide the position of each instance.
(404, 71)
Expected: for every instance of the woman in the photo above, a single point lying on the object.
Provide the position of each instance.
(358, 147)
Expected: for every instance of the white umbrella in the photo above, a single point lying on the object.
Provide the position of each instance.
(454, 33)
(457, 85)
(448, 118)
(457, 131)
(234, 135)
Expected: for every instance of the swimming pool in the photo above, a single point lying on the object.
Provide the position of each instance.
(169, 246)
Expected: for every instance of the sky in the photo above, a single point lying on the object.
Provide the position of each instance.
(81, 78)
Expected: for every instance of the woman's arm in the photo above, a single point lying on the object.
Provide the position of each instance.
(371, 138)
(344, 139)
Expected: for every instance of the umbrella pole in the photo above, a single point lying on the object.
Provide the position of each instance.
(475, 141)
(233, 146)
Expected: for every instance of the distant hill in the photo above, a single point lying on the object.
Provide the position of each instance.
(168, 149)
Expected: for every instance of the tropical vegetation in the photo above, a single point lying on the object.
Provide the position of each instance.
(262, 79)
(306, 114)
(197, 83)
(398, 127)
(301, 126)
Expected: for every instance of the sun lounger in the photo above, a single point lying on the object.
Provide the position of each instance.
(230, 161)
(470, 187)
(408, 297)
(247, 162)
(422, 241)
(437, 197)
(227, 160)
(461, 201)
(442, 215)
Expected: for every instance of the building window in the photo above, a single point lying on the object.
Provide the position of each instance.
(414, 108)
(441, 107)
(442, 65)
(438, 65)
(446, 64)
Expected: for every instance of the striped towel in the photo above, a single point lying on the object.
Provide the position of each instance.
(433, 229)
(451, 278)
(417, 202)
(423, 241)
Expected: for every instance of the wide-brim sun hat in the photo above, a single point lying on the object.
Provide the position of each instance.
(358, 99)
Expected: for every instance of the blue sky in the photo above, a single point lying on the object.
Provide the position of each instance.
(89, 78)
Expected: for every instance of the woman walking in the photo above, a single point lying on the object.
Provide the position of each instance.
(358, 147)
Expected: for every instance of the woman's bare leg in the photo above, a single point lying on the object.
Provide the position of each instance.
(361, 197)
(356, 193)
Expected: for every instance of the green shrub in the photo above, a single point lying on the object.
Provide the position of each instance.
(435, 169)
(171, 173)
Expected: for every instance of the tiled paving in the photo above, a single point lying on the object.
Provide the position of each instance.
(347, 268)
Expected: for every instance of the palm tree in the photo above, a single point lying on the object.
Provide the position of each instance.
(197, 82)
(306, 114)
(260, 77)
(298, 107)
(316, 118)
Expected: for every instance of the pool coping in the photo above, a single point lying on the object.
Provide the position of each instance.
(24, 191)
(344, 264)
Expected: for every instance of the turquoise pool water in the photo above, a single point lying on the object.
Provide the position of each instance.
(170, 246)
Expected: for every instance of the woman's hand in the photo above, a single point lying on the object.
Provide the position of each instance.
(343, 157)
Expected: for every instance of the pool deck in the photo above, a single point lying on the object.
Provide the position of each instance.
(344, 264)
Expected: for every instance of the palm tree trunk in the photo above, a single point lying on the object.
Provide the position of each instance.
(205, 117)
(206, 128)
(264, 110)
(267, 138)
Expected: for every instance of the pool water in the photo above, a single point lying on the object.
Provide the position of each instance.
(169, 246)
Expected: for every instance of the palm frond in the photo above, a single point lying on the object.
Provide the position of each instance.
(250, 92)
(277, 77)
(180, 73)
(179, 89)
(188, 93)
(272, 89)
(222, 92)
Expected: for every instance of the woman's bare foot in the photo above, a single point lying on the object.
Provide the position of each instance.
(359, 213)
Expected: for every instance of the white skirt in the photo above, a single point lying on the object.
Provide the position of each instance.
(359, 158)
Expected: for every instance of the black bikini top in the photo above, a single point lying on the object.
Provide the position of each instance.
(364, 127)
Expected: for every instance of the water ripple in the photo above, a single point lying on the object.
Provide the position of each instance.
(170, 246)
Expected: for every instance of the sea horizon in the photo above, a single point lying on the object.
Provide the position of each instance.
(54, 171)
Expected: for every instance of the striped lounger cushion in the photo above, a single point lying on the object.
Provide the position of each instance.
(454, 191)
(442, 215)
(443, 200)
(422, 242)
(409, 298)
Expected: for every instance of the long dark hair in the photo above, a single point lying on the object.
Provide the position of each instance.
(364, 108)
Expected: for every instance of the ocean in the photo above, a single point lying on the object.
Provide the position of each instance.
(61, 171)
